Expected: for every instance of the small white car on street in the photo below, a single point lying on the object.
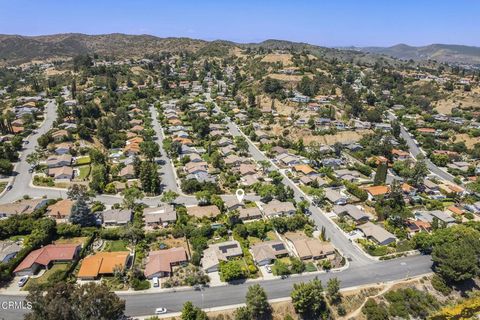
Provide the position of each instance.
(160, 310)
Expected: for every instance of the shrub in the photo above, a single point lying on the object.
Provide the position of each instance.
(440, 285)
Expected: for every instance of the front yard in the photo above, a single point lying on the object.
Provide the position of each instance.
(44, 278)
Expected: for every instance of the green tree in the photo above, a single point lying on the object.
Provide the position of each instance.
(81, 214)
(169, 196)
(190, 312)
(257, 303)
(333, 290)
(242, 313)
(380, 174)
(99, 178)
(308, 299)
(130, 196)
(65, 301)
(231, 270)
(420, 171)
(33, 159)
(150, 178)
(6, 167)
(150, 149)
(456, 261)
(241, 144)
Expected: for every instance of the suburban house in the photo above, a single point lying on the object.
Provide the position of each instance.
(353, 212)
(335, 197)
(250, 213)
(60, 210)
(63, 148)
(233, 204)
(116, 217)
(44, 257)
(277, 208)
(59, 161)
(415, 226)
(102, 263)
(220, 252)
(400, 154)
(203, 211)
(347, 174)
(161, 216)
(22, 206)
(311, 248)
(304, 169)
(429, 216)
(61, 173)
(376, 233)
(127, 172)
(376, 191)
(312, 178)
(8, 250)
(59, 135)
(287, 159)
(160, 262)
(265, 252)
(332, 163)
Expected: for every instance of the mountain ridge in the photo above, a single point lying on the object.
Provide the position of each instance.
(449, 53)
(19, 48)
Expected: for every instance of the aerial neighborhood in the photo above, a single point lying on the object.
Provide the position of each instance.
(230, 166)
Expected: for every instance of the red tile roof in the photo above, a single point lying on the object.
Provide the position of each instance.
(47, 254)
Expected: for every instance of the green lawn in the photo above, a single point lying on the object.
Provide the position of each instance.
(83, 160)
(3, 185)
(44, 277)
(310, 267)
(116, 245)
(84, 171)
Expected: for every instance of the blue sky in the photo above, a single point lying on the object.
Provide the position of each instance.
(327, 23)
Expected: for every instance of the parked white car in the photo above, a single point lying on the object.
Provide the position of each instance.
(22, 281)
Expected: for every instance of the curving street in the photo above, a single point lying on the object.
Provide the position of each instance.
(361, 270)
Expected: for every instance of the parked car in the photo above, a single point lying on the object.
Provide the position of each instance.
(22, 281)
(9, 187)
(160, 310)
(268, 268)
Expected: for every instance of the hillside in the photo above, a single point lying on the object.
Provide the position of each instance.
(15, 48)
(439, 52)
(22, 48)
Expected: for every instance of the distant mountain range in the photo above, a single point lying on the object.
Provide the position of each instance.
(16, 48)
(449, 53)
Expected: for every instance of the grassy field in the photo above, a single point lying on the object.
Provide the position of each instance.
(116, 245)
(44, 277)
(83, 161)
(84, 171)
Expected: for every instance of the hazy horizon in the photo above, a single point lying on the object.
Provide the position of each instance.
(332, 24)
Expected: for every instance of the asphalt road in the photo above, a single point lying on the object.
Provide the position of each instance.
(22, 178)
(333, 232)
(415, 150)
(362, 269)
(143, 304)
